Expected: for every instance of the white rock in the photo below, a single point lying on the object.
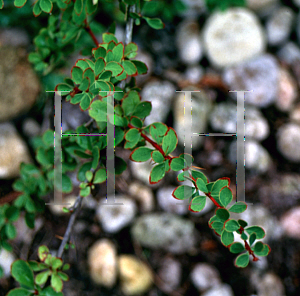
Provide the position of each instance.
(223, 117)
(58, 209)
(291, 223)
(165, 231)
(31, 128)
(256, 156)
(287, 92)
(136, 277)
(233, 36)
(143, 194)
(14, 36)
(204, 276)
(297, 2)
(194, 73)
(13, 151)
(170, 273)
(256, 126)
(288, 141)
(168, 203)
(201, 107)
(260, 75)
(6, 260)
(115, 217)
(160, 94)
(279, 25)
(270, 285)
(259, 5)
(189, 42)
(295, 114)
(19, 84)
(102, 260)
(223, 289)
(289, 53)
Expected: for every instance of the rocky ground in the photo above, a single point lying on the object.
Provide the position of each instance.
(151, 246)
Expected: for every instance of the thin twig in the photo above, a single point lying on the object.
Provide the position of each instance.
(76, 207)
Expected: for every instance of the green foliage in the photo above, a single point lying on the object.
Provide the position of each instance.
(224, 4)
(94, 81)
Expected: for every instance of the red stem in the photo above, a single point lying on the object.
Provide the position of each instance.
(247, 247)
(88, 29)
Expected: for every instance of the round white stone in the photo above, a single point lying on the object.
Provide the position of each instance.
(233, 37)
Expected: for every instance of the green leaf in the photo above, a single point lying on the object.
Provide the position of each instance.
(49, 291)
(46, 5)
(10, 231)
(157, 173)
(84, 85)
(77, 74)
(143, 109)
(63, 276)
(99, 66)
(236, 248)
(96, 155)
(118, 51)
(140, 154)
(107, 37)
(42, 277)
(120, 164)
(227, 237)
(43, 252)
(197, 204)
(210, 185)
(81, 172)
(201, 185)
(260, 233)
(252, 238)
(242, 260)
(232, 225)
(169, 141)
(19, 292)
(154, 23)
(188, 158)
(177, 164)
(89, 176)
(258, 247)
(262, 252)
(132, 135)
(48, 138)
(56, 282)
(129, 68)
(85, 191)
(183, 192)
(157, 156)
(85, 101)
(22, 273)
(225, 196)
(19, 3)
(219, 184)
(197, 174)
(130, 2)
(130, 101)
(56, 263)
(115, 68)
(158, 131)
(30, 219)
(244, 236)
(242, 223)
(78, 6)
(12, 213)
(98, 111)
(217, 225)
(238, 207)
(140, 66)
(100, 52)
(130, 50)
(222, 214)
(100, 176)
